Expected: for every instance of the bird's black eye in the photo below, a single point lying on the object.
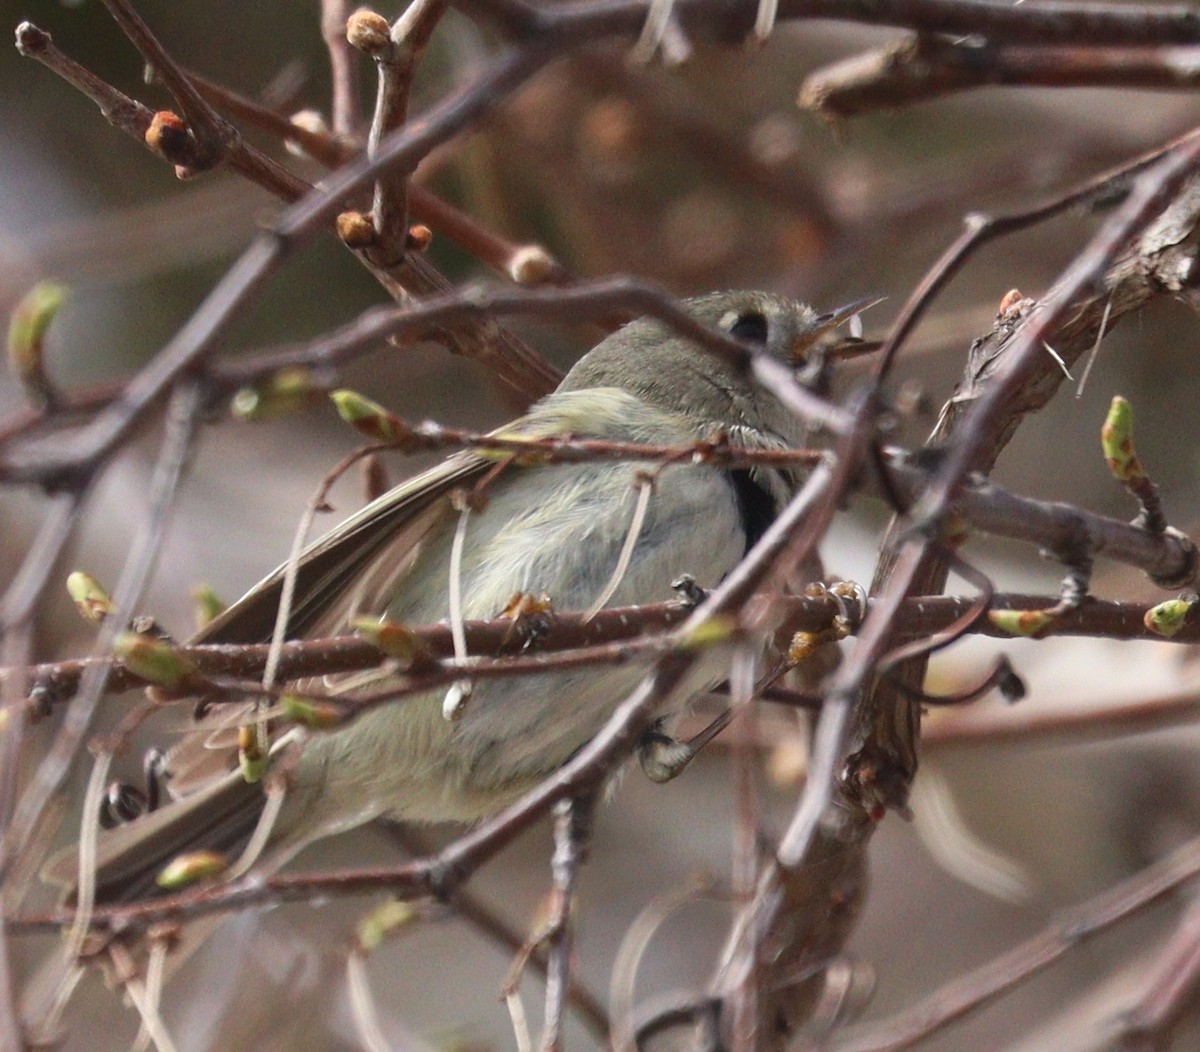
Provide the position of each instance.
(750, 326)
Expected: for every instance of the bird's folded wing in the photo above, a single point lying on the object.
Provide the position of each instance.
(388, 532)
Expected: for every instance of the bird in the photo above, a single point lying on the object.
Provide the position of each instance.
(553, 529)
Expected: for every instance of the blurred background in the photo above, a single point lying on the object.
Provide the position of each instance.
(702, 177)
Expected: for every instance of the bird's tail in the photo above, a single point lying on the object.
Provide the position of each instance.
(221, 817)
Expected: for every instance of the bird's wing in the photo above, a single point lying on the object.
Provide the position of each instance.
(355, 568)
(385, 535)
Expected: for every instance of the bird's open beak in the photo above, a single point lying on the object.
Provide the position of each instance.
(849, 347)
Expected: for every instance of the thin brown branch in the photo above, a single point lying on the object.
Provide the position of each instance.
(889, 757)
(584, 639)
(1008, 376)
(122, 112)
(572, 831)
(1073, 22)
(1170, 991)
(494, 926)
(396, 64)
(1088, 721)
(928, 66)
(978, 229)
(296, 227)
(745, 1018)
(192, 344)
(1151, 191)
(497, 349)
(526, 264)
(879, 773)
(209, 129)
(329, 148)
(16, 644)
(345, 112)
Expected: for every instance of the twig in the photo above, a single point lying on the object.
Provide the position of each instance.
(1073, 723)
(962, 996)
(1169, 990)
(362, 1005)
(928, 66)
(193, 344)
(572, 830)
(295, 227)
(879, 773)
(1073, 22)
(516, 363)
(745, 1018)
(595, 298)
(526, 264)
(16, 643)
(1151, 190)
(980, 228)
(581, 641)
(345, 113)
(211, 132)
(488, 921)
(888, 758)
(396, 50)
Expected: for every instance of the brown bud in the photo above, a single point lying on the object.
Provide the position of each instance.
(369, 32)
(168, 136)
(356, 230)
(1011, 298)
(419, 238)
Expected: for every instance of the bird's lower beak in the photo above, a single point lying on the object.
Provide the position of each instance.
(850, 347)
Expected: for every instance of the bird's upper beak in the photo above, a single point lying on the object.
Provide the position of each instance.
(852, 346)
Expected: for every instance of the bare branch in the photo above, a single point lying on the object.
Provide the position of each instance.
(928, 66)
(976, 988)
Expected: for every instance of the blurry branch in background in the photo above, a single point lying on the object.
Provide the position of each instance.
(345, 117)
(1071, 928)
(805, 896)
(928, 66)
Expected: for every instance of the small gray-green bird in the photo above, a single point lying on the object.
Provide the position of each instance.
(557, 529)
